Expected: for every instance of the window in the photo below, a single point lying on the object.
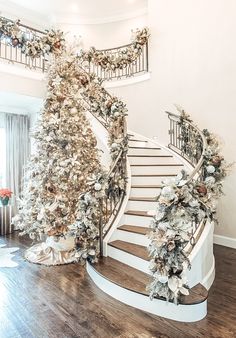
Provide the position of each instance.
(2, 158)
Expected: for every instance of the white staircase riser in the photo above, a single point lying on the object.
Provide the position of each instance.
(128, 259)
(145, 192)
(148, 170)
(130, 237)
(148, 151)
(152, 160)
(140, 144)
(141, 205)
(149, 180)
(136, 220)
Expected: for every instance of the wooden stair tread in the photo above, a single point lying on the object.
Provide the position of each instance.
(147, 186)
(137, 213)
(134, 280)
(133, 249)
(143, 155)
(143, 199)
(152, 148)
(153, 175)
(136, 140)
(157, 165)
(135, 229)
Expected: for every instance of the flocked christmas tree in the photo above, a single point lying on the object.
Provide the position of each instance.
(66, 155)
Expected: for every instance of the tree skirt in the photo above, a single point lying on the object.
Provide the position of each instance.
(6, 257)
(52, 252)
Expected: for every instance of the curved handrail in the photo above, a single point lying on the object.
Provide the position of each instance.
(9, 52)
(197, 167)
(176, 144)
(109, 205)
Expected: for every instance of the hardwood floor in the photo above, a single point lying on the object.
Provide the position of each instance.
(63, 302)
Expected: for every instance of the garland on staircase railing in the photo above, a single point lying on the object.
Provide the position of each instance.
(32, 44)
(99, 203)
(183, 204)
(123, 57)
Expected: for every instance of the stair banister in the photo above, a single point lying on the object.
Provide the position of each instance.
(177, 144)
(110, 206)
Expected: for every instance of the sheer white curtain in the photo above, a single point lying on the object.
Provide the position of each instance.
(2, 151)
(17, 149)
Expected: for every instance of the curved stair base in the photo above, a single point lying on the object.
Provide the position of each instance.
(181, 312)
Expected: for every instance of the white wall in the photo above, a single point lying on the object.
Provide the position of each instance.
(107, 35)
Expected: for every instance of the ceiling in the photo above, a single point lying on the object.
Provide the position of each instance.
(79, 11)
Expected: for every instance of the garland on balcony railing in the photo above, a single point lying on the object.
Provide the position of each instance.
(124, 56)
(181, 204)
(34, 45)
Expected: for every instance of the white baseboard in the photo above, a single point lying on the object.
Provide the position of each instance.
(225, 241)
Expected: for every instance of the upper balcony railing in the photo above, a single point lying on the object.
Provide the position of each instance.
(108, 64)
(11, 48)
(137, 67)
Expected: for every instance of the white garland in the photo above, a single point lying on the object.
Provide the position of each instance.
(181, 205)
(123, 58)
(52, 41)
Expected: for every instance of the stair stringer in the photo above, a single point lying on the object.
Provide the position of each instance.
(121, 211)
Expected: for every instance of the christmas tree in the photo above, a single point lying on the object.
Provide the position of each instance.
(66, 155)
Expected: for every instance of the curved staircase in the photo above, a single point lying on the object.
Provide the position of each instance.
(124, 272)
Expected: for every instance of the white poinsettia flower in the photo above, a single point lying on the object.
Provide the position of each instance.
(168, 193)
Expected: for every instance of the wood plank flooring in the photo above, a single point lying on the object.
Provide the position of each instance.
(63, 302)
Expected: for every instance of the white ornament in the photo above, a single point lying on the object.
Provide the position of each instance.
(210, 169)
(210, 180)
(114, 145)
(74, 110)
(97, 186)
